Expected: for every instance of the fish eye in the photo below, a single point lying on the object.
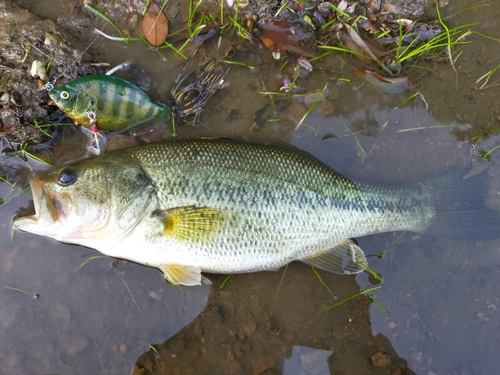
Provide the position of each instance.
(67, 177)
(64, 95)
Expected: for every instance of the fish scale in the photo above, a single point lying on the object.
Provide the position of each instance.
(188, 207)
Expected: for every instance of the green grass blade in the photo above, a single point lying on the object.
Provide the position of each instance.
(95, 11)
(226, 280)
(91, 258)
(321, 281)
(350, 298)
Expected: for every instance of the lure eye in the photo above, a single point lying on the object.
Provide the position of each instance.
(67, 177)
(64, 95)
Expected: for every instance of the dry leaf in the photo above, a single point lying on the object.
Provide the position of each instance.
(268, 42)
(155, 26)
(38, 69)
(389, 85)
(477, 169)
(361, 44)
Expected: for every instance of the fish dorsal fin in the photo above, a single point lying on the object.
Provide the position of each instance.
(196, 224)
(181, 275)
(346, 258)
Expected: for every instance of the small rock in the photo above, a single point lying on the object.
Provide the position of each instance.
(294, 111)
(52, 41)
(381, 359)
(249, 328)
(76, 345)
(259, 365)
(391, 325)
(326, 107)
(173, 11)
(123, 348)
(313, 97)
(481, 316)
(157, 296)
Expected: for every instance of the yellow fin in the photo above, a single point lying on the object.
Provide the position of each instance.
(197, 224)
(181, 275)
(345, 258)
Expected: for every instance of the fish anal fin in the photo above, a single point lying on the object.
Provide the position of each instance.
(346, 258)
(182, 275)
(196, 224)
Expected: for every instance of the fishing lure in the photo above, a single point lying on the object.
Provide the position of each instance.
(116, 103)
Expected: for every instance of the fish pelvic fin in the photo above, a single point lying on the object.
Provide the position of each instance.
(195, 224)
(346, 258)
(182, 275)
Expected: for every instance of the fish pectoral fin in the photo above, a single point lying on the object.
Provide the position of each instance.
(346, 258)
(196, 224)
(182, 275)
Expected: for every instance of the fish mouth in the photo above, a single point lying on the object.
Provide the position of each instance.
(48, 209)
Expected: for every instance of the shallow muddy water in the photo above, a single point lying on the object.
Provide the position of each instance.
(60, 315)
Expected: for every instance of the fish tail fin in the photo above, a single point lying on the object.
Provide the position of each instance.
(460, 207)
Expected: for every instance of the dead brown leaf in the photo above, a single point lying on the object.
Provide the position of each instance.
(155, 26)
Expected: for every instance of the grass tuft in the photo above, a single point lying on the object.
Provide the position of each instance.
(363, 292)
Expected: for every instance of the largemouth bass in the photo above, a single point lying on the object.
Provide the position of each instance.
(223, 207)
(117, 104)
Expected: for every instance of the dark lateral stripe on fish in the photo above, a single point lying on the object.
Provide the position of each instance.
(96, 91)
(111, 104)
(355, 204)
(122, 101)
(151, 110)
(132, 103)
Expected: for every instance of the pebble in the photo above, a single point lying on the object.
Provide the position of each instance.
(76, 345)
(326, 107)
(259, 365)
(173, 11)
(381, 359)
(391, 325)
(123, 348)
(157, 296)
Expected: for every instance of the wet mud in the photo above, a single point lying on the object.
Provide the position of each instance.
(252, 328)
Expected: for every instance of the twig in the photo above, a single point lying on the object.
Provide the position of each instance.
(126, 286)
